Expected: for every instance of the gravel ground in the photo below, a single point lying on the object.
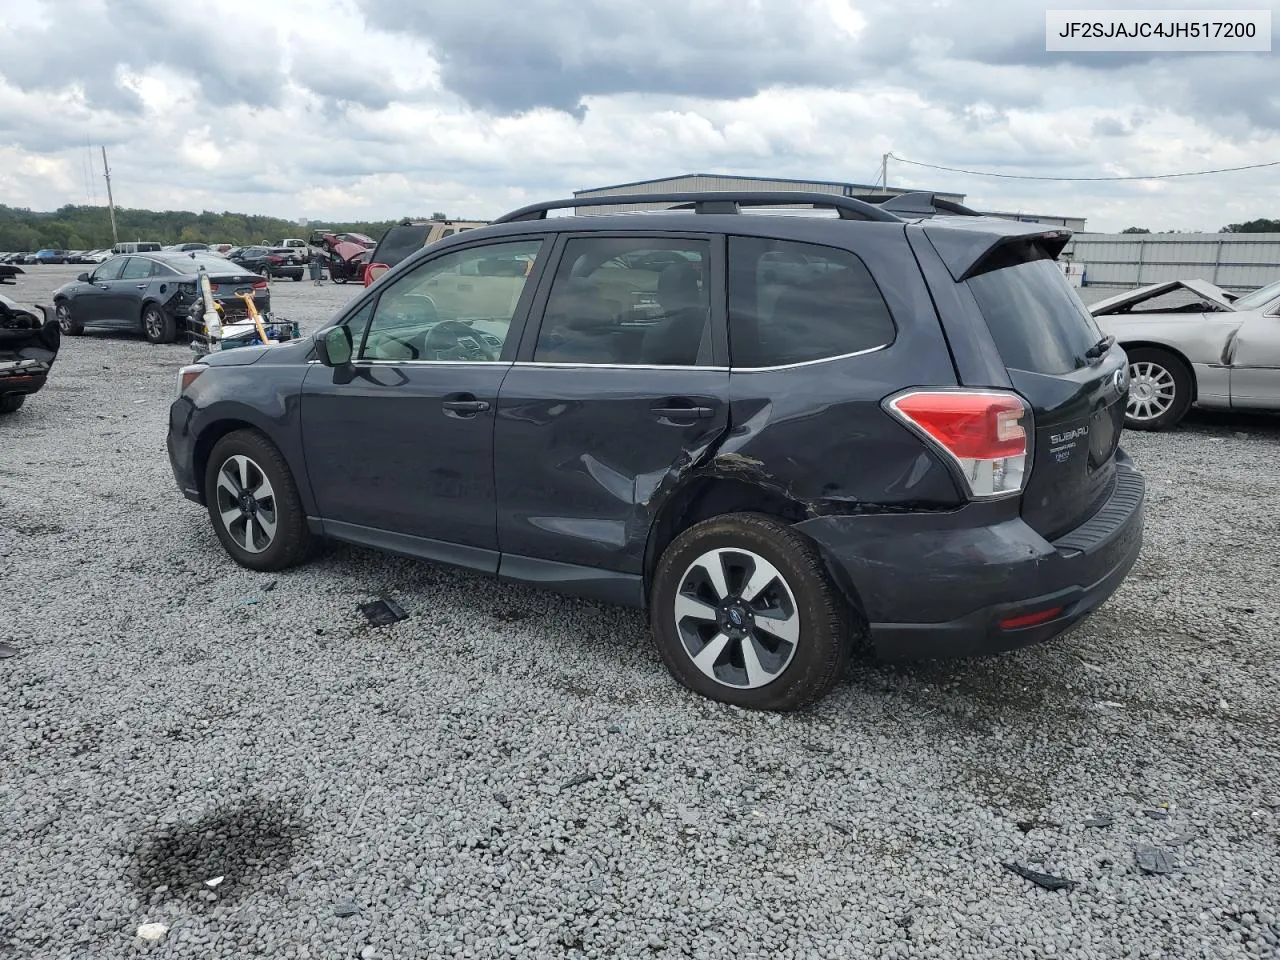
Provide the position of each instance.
(508, 773)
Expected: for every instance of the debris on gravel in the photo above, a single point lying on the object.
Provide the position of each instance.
(1046, 880)
(383, 613)
(1153, 860)
(155, 735)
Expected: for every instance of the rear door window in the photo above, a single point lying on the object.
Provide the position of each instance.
(629, 300)
(799, 302)
(1035, 317)
(399, 242)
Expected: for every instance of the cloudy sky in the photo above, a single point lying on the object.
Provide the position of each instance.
(345, 109)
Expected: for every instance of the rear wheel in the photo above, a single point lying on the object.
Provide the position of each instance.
(12, 402)
(157, 325)
(66, 323)
(743, 611)
(253, 502)
(1160, 388)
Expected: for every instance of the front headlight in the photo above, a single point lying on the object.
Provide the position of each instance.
(187, 376)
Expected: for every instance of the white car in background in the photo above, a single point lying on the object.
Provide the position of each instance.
(1190, 342)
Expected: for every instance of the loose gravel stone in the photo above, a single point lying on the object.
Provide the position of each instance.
(154, 734)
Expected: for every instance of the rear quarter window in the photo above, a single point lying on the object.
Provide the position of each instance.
(797, 302)
(1035, 317)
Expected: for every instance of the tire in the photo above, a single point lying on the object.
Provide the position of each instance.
(66, 323)
(157, 325)
(787, 675)
(1160, 389)
(247, 536)
(12, 402)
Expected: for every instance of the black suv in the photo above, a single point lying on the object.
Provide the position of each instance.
(775, 433)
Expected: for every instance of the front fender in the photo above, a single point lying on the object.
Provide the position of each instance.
(264, 397)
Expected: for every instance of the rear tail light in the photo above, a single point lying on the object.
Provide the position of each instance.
(983, 432)
(260, 285)
(213, 288)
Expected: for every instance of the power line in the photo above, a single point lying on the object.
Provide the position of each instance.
(1024, 176)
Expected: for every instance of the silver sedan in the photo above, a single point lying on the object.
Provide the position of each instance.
(1190, 342)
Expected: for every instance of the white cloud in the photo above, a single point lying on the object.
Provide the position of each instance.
(320, 114)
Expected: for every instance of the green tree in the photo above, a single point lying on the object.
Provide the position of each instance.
(1253, 226)
(1135, 230)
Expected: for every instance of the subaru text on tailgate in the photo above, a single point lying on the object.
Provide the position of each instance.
(776, 434)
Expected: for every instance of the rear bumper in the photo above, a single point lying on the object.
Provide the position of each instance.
(936, 586)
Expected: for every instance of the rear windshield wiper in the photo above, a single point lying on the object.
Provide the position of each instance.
(1100, 348)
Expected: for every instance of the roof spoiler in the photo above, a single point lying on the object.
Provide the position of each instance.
(920, 204)
(971, 247)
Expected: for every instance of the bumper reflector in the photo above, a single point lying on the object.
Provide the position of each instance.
(1030, 619)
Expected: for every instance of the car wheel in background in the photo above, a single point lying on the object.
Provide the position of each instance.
(253, 502)
(743, 611)
(1160, 389)
(66, 323)
(157, 325)
(11, 403)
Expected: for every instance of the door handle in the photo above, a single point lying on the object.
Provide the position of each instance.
(464, 405)
(141, 286)
(676, 410)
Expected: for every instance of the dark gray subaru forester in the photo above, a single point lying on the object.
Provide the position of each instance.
(776, 433)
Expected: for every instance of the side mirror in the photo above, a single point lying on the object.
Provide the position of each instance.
(83, 278)
(334, 348)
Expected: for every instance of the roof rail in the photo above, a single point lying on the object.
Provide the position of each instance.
(920, 204)
(714, 201)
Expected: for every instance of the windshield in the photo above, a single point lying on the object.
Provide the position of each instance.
(399, 242)
(1035, 317)
(1259, 298)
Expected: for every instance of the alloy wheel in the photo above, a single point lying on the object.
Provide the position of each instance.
(154, 324)
(246, 504)
(1151, 391)
(737, 618)
(63, 315)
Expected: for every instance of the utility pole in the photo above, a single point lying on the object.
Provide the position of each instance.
(884, 173)
(111, 204)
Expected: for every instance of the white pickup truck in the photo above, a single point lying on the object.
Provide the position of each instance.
(291, 242)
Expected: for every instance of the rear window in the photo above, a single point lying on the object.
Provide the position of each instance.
(1037, 321)
(399, 242)
(211, 264)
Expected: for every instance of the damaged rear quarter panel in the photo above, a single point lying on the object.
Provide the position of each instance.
(817, 431)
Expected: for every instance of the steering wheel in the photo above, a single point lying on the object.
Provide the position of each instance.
(454, 335)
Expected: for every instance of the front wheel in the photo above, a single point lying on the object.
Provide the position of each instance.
(254, 504)
(158, 326)
(1160, 388)
(743, 611)
(12, 402)
(66, 322)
